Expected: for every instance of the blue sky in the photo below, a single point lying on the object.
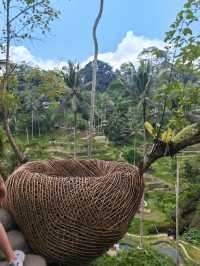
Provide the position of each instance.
(70, 36)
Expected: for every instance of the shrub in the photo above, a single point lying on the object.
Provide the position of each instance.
(148, 257)
(192, 236)
(128, 154)
(82, 124)
(150, 227)
(191, 170)
(164, 202)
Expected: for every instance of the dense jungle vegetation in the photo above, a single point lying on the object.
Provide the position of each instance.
(47, 115)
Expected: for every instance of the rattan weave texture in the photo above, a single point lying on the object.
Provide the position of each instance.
(73, 211)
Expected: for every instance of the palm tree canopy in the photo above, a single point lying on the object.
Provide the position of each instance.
(71, 75)
(143, 77)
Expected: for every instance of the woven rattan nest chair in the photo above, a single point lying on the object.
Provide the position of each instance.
(73, 211)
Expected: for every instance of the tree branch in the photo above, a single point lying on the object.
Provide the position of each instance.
(4, 4)
(187, 137)
(25, 10)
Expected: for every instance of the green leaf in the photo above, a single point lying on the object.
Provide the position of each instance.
(187, 31)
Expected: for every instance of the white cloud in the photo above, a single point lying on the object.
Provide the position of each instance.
(126, 51)
(20, 54)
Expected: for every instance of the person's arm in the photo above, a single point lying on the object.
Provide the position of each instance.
(5, 245)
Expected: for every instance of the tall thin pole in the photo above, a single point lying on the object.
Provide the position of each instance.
(75, 135)
(142, 210)
(142, 223)
(75, 110)
(177, 209)
(143, 197)
(94, 79)
(134, 152)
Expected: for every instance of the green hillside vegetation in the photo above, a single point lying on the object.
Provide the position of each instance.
(45, 115)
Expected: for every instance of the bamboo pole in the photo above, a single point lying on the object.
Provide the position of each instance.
(177, 209)
(94, 79)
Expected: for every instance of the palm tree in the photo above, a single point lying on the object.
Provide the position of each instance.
(72, 81)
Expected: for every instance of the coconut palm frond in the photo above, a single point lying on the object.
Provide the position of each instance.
(71, 75)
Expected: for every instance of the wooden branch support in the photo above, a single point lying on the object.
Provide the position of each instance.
(187, 137)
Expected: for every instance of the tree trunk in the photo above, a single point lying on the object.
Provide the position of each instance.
(32, 124)
(101, 125)
(64, 114)
(94, 79)
(75, 135)
(39, 130)
(134, 151)
(21, 157)
(27, 136)
(15, 119)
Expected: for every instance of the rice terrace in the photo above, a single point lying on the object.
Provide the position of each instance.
(99, 133)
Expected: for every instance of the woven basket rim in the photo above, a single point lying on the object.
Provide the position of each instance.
(40, 167)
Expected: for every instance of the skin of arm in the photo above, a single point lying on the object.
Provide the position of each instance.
(5, 245)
